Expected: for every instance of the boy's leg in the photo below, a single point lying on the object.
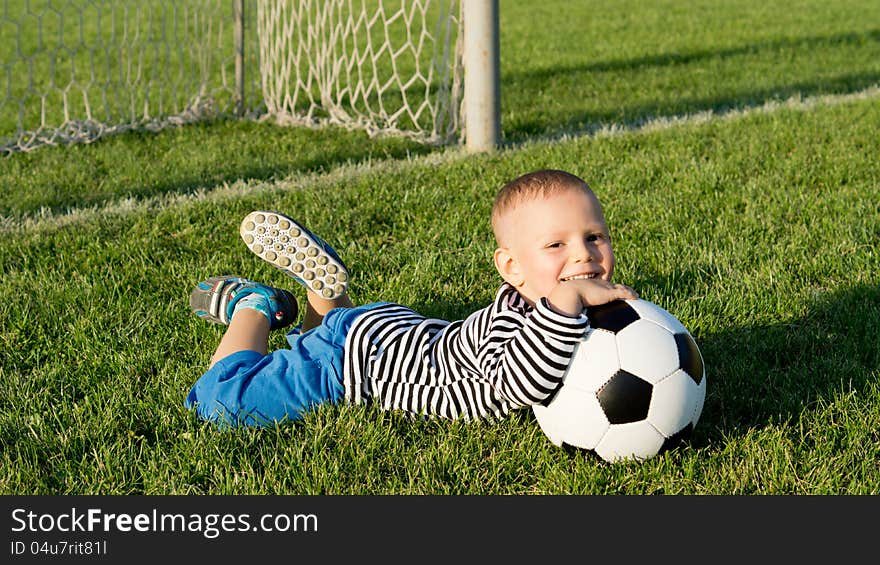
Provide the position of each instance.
(291, 247)
(246, 385)
(248, 331)
(317, 308)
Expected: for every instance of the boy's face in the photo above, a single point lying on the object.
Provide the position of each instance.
(547, 240)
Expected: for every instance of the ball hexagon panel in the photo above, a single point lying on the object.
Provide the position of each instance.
(593, 362)
(638, 440)
(647, 350)
(625, 398)
(612, 317)
(650, 311)
(573, 417)
(675, 400)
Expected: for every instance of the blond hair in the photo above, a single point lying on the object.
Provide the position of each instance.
(531, 186)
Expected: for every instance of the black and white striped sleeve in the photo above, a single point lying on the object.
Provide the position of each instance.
(526, 356)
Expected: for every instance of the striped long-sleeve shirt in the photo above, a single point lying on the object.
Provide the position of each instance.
(508, 355)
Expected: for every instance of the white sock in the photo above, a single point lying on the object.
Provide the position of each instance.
(255, 301)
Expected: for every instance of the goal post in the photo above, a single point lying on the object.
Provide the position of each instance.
(77, 70)
(482, 82)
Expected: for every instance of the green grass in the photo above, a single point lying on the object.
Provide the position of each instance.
(179, 161)
(623, 62)
(759, 232)
(768, 256)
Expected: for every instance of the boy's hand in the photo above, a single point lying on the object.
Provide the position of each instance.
(571, 297)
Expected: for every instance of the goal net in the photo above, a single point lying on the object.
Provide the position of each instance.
(77, 70)
(384, 66)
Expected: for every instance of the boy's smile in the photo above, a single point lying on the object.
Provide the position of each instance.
(548, 240)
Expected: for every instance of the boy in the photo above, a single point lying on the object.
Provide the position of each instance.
(554, 254)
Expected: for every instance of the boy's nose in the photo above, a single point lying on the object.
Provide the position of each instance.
(582, 254)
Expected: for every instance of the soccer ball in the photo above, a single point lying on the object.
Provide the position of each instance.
(635, 385)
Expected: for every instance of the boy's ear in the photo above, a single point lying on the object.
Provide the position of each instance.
(508, 267)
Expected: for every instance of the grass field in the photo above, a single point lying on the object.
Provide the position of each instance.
(733, 146)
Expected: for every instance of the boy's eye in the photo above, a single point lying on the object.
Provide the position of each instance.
(593, 237)
(554, 245)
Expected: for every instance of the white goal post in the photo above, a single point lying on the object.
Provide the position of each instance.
(77, 70)
(482, 78)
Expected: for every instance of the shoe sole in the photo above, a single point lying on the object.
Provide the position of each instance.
(290, 247)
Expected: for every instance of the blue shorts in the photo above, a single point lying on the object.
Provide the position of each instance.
(248, 388)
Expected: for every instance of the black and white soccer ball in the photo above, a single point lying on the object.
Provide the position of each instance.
(635, 386)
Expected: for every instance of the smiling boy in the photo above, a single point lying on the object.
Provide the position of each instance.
(554, 254)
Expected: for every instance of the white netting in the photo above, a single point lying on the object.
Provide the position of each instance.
(385, 66)
(76, 70)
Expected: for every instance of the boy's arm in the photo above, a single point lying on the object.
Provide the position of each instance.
(526, 360)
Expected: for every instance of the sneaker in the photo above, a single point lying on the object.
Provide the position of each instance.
(296, 251)
(214, 300)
